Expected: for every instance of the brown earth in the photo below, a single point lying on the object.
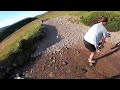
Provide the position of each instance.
(66, 57)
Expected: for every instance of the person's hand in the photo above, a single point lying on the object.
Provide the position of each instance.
(100, 46)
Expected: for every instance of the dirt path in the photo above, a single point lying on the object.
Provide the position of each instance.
(63, 56)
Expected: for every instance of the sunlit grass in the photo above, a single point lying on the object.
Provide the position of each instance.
(12, 43)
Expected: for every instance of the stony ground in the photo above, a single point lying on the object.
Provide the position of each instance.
(61, 54)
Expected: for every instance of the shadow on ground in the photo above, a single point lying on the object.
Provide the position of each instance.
(116, 77)
(51, 38)
(116, 49)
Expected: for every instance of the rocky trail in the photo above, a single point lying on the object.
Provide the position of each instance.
(61, 54)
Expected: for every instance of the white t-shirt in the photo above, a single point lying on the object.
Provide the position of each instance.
(95, 34)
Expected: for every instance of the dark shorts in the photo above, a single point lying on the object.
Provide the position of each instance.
(89, 46)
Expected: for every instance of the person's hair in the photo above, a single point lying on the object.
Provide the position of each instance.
(99, 19)
(103, 19)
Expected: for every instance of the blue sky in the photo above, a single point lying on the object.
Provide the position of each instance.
(10, 17)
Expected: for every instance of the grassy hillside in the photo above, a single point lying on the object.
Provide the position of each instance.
(53, 14)
(8, 30)
(16, 50)
(12, 43)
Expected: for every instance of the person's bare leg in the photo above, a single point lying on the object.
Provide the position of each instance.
(91, 58)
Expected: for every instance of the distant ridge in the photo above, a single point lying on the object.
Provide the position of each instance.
(8, 30)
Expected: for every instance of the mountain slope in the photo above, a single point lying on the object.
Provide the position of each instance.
(8, 30)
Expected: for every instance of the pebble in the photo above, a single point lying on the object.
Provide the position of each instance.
(54, 61)
(18, 77)
(51, 74)
(64, 63)
(56, 68)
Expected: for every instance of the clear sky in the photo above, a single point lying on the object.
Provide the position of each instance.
(10, 17)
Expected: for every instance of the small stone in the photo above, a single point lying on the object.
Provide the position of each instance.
(31, 71)
(53, 61)
(23, 73)
(78, 51)
(58, 50)
(18, 77)
(53, 52)
(69, 71)
(67, 48)
(26, 75)
(43, 68)
(17, 74)
(57, 36)
(54, 58)
(56, 68)
(51, 58)
(51, 74)
(26, 71)
(64, 63)
(53, 46)
(60, 54)
(14, 64)
(49, 65)
(84, 70)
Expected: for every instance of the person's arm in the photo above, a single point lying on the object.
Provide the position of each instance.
(105, 34)
(103, 41)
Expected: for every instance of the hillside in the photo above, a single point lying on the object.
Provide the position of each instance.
(8, 30)
(60, 54)
(3, 28)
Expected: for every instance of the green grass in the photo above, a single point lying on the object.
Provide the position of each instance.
(113, 19)
(53, 14)
(12, 43)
